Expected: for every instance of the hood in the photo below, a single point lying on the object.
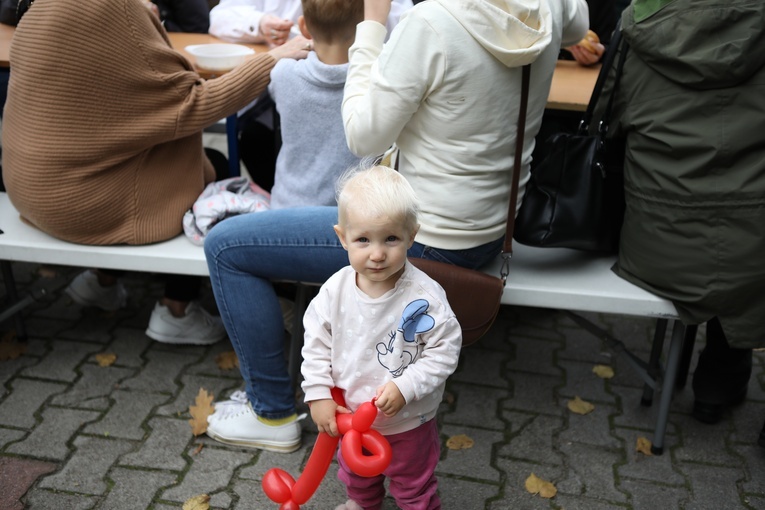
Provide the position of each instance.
(702, 44)
(514, 31)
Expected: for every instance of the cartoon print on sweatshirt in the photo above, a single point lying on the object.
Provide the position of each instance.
(395, 355)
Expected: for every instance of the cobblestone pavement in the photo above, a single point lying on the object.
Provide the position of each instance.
(75, 435)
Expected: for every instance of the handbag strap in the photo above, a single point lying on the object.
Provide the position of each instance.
(507, 249)
(608, 62)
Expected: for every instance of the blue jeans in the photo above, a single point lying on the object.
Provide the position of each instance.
(245, 253)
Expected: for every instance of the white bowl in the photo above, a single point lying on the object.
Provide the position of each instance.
(219, 57)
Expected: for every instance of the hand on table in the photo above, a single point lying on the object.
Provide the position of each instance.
(589, 51)
(275, 31)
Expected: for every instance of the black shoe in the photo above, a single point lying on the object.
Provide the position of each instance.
(711, 413)
(761, 441)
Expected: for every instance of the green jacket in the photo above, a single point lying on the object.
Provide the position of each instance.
(691, 105)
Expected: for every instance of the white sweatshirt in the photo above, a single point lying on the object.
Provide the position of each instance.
(446, 90)
(409, 336)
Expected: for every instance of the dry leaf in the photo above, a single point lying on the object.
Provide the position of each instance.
(603, 371)
(198, 449)
(106, 359)
(580, 406)
(227, 360)
(199, 412)
(201, 502)
(536, 485)
(459, 442)
(10, 348)
(643, 446)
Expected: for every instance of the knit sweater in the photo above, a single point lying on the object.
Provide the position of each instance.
(102, 132)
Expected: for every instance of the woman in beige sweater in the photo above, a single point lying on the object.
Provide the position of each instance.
(102, 137)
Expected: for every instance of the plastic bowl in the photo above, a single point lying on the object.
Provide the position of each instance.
(219, 57)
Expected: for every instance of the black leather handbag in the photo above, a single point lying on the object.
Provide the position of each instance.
(575, 196)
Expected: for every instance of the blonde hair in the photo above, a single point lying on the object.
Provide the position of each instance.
(377, 191)
(333, 20)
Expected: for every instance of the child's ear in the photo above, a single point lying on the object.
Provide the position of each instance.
(414, 234)
(303, 27)
(341, 235)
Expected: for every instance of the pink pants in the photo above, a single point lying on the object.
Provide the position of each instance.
(411, 472)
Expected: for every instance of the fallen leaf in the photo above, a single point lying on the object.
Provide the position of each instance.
(198, 449)
(643, 446)
(106, 359)
(580, 406)
(536, 485)
(227, 360)
(10, 348)
(459, 442)
(603, 371)
(199, 412)
(201, 502)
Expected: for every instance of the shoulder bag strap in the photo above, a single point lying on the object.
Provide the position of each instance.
(507, 250)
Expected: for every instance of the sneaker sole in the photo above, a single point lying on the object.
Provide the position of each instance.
(260, 445)
(169, 339)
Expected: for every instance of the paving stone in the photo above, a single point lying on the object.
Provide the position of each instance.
(476, 406)
(8, 436)
(211, 471)
(40, 499)
(536, 393)
(481, 366)
(20, 406)
(292, 463)
(92, 456)
(536, 356)
(61, 362)
(470, 462)
(581, 381)
(45, 329)
(583, 346)
(16, 477)
(713, 488)
(635, 415)
(49, 439)
(515, 495)
(134, 488)
(753, 460)
(208, 366)
(160, 372)
(163, 447)
(572, 502)
(592, 428)
(705, 444)
(591, 472)
(652, 468)
(9, 368)
(95, 325)
(126, 416)
(95, 384)
(654, 495)
(535, 441)
(129, 346)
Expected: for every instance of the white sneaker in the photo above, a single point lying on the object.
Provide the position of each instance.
(197, 327)
(234, 422)
(86, 291)
(349, 505)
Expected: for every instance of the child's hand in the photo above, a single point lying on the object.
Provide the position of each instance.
(389, 399)
(323, 415)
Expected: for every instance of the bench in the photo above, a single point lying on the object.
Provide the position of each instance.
(547, 278)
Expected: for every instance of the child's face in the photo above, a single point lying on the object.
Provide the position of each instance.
(376, 250)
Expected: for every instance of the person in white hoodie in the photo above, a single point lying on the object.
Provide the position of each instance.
(446, 90)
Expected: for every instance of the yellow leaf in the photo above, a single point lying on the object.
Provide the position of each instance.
(459, 442)
(10, 348)
(580, 406)
(536, 485)
(227, 360)
(199, 412)
(603, 371)
(106, 359)
(201, 502)
(643, 446)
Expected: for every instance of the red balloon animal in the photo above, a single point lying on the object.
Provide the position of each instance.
(357, 436)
